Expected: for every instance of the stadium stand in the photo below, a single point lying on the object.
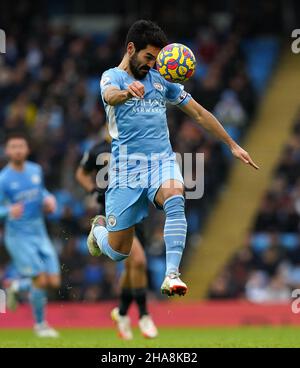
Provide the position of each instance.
(267, 267)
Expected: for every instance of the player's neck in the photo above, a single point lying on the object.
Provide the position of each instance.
(17, 166)
(124, 65)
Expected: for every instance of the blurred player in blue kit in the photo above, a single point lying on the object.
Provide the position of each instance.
(23, 202)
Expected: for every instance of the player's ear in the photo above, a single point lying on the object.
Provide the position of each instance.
(130, 48)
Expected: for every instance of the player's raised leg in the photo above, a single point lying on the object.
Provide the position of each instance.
(170, 196)
(115, 244)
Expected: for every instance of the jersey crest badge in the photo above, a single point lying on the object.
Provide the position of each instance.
(158, 86)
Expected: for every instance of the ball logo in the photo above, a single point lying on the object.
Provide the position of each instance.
(111, 220)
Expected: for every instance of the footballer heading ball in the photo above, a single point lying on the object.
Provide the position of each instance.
(176, 62)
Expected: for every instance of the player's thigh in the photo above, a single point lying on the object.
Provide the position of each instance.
(54, 280)
(137, 258)
(125, 207)
(168, 189)
(49, 258)
(121, 241)
(24, 256)
(40, 281)
(166, 181)
(140, 233)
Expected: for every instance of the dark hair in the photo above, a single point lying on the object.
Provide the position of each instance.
(17, 135)
(145, 32)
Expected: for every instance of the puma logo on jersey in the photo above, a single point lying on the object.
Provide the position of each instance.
(104, 81)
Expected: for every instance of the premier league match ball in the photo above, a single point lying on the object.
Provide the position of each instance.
(176, 63)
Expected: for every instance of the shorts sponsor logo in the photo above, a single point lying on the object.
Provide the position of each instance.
(27, 271)
(35, 179)
(111, 220)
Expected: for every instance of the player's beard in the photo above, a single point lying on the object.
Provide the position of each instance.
(17, 161)
(139, 71)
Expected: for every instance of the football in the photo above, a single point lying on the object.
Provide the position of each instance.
(176, 62)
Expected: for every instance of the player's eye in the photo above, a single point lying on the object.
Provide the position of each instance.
(150, 57)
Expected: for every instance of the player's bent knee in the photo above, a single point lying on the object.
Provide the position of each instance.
(121, 242)
(169, 193)
(139, 263)
(118, 257)
(128, 263)
(40, 281)
(54, 282)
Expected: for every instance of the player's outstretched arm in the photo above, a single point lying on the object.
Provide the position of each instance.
(211, 124)
(84, 179)
(115, 96)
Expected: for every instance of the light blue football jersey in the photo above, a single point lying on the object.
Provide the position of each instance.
(141, 124)
(27, 187)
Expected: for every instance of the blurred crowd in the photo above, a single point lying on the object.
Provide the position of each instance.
(267, 267)
(49, 87)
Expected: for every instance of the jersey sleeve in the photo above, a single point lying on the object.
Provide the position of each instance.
(4, 209)
(109, 79)
(175, 94)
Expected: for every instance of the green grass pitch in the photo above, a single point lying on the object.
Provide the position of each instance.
(169, 337)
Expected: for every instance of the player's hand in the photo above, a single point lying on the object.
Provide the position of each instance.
(243, 155)
(16, 210)
(136, 89)
(50, 204)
